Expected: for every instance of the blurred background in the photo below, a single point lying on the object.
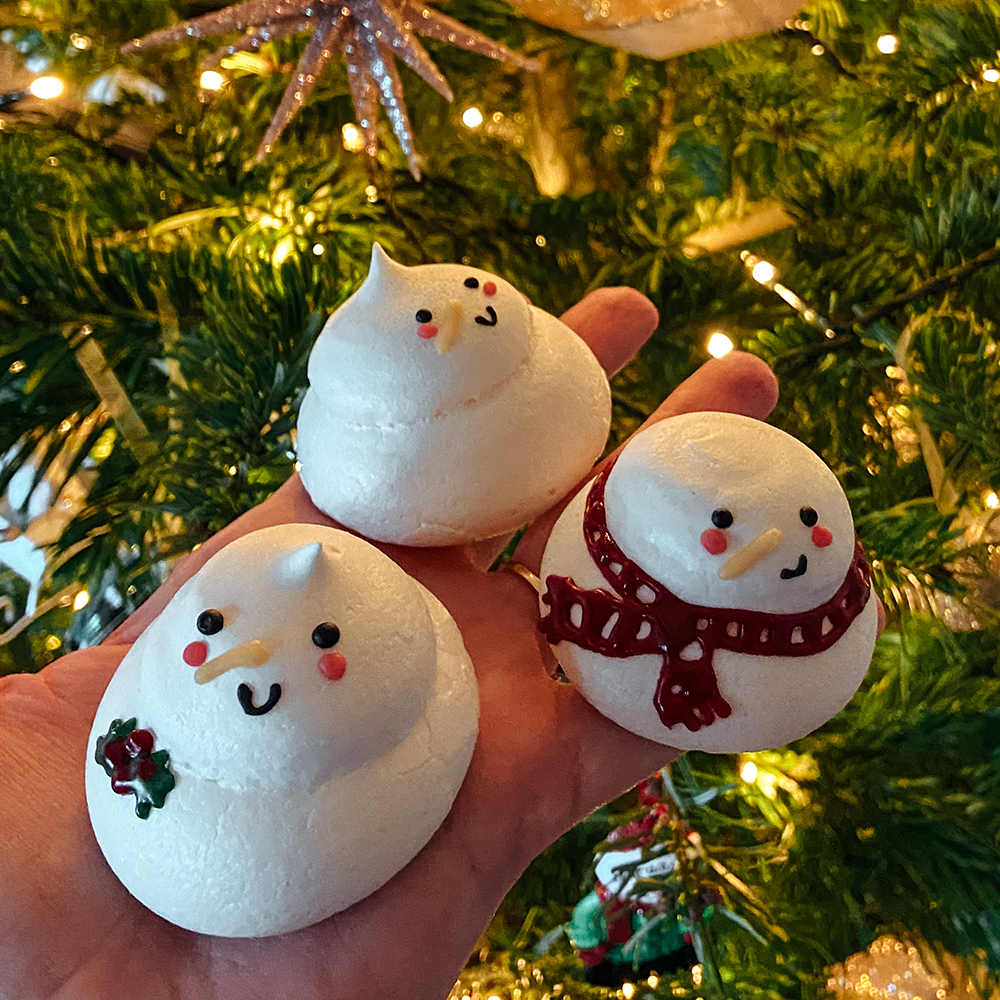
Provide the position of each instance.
(824, 194)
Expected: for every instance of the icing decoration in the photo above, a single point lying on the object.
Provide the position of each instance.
(195, 654)
(808, 516)
(332, 666)
(245, 695)
(210, 622)
(687, 691)
(127, 755)
(821, 536)
(326, 635)
(722, 518)
(490, 288)
(714, 541)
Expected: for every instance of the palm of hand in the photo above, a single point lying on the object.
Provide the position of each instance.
(544, 759)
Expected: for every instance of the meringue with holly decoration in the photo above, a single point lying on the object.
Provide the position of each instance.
(443, 408)
(283, 738)
(707, 590)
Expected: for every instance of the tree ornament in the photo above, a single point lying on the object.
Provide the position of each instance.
(370, 33)
(660, 28)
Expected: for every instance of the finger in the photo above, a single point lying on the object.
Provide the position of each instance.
(614, 323)
(736, 383)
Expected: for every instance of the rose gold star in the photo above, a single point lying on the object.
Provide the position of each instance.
(372, 34)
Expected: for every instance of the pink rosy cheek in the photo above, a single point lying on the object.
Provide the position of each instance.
(489, 288)
(427, 330)
(332, 666)
(821, 536)
(714, 541)
(195, 654)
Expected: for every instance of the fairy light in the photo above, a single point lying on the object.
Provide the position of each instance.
(81, 600)
(748, 772)
(719, 344)
(887, 44)
(45, 88)
(319, 249)
(472, 117)
(765, 272)
(654, 981)
(628, 990)
(354, 141)
(210, 80)
(991, 500)
(991, 75)
(81, 42)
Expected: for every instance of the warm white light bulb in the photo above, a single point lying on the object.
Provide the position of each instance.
(763, 272)
(628, 990)
(887, 44)
(748, 772)
(46, 87)
(472, 117)
(210, 80)
(352, 138)
(991, 75)
(991, 500)
(719, 344)
(81, 600)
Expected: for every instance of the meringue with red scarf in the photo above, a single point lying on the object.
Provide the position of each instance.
(707, 590)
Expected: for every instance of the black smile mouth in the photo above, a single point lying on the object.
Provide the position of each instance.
(245, 694)
(800, 568)
(492, 321)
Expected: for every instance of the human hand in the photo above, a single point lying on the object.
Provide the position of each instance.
(543, 760)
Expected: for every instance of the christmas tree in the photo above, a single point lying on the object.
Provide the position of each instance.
(825, 196)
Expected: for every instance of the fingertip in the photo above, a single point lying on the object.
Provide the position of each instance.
(735, 383)
(614, 323)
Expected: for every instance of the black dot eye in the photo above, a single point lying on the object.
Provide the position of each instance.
(326, 635)
(210, 621)
(722, 518)
(808, 516)
(423, 315)
(471, 282)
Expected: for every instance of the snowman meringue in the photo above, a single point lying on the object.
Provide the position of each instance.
(283, 738)
(707, 590)
(443, 408)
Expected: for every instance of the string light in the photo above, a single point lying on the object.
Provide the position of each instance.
(991, 500)
(353, 140)
(719, 344)
(991, 75)
(472, 117)
(765, 272)
(319, 249)
(628, 990)
(887, 44)
(81, 42)
(45, 88)
(748, 772)
(210, 80)
(81, 600)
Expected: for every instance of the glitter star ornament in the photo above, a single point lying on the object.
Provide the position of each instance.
(371, 34)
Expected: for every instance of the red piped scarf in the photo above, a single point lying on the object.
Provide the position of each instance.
(624, 624)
